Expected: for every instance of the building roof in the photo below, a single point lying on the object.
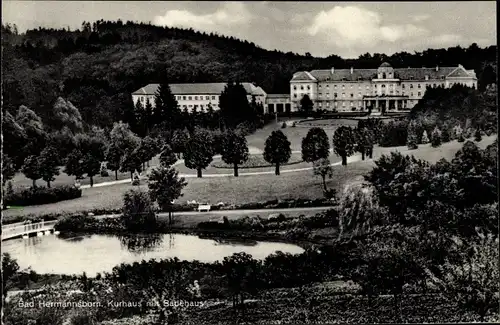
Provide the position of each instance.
(369, 74)
(271, 96)
(303, 76)
(214, 88)
(385, 65)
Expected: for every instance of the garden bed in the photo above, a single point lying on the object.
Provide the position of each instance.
(257, 161)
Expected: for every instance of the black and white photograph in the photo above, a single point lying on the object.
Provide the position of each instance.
(252, 162)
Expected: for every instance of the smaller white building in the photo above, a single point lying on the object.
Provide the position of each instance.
(278, 103)
(197, 96)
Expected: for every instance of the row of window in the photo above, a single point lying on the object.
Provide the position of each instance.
(195, 97)
(419, 86)
(198, 106)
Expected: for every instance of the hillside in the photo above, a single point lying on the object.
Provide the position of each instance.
(98, 66)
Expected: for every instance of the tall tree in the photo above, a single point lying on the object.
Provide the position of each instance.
(8, 168)
(234, 150)
(179, 141)
(322, 167)
(306, 105)
(234, 106)
(199, 151)
(137, 212)
(277, 150)
(166, 107)
(412, 140)
(114, 156)
(91, 165)
(65, 114)
(49, 164)
(315, 145)
(167, 157)
(123, 137)
(73, 164)
(130, 163)
(31, 169)
(343, 143)
(165, 186)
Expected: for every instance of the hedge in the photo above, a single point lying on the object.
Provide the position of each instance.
(42, 195)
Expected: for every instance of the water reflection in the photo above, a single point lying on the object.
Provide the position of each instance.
(141, 243)
(66, 254)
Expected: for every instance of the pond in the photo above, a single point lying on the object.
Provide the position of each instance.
(59, 254)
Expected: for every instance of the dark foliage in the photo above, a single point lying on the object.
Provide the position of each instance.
(42, 195)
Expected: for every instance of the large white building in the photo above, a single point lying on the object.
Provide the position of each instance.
(382, 89)
(197, 96)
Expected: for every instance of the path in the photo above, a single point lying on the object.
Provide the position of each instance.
(232, 213)
(270, 172)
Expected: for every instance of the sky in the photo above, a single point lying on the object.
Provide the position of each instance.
(347, 29)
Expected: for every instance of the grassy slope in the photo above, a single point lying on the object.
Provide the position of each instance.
(245, 189)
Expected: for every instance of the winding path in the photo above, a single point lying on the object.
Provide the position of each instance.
(270, 172)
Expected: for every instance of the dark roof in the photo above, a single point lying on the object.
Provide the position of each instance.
(214, 88)
(385, 65)
(402, 73)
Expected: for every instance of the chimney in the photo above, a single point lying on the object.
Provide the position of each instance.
(352, 70)
(437, 68)
(332, 70)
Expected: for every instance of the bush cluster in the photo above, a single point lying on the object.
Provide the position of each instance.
(42, 195)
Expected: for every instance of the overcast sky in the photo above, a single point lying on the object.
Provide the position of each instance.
(347, 29)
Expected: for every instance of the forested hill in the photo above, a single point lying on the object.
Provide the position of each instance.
(99, 65)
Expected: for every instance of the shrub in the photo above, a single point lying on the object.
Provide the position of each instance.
(104, 171)
(436, 138)
(425, 138)
(477, 136)
(394, 134)
(445, 134)
(138, 212)
(42, 195)
(294, 124)
(283, 126)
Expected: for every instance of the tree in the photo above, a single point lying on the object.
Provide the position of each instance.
(91, 165)
(33, 127)
(10, 270)
(123, 138)
(277, 150)
(167, 157)
(114, 157)
(88, 143)
(306, 105)
(436, 138)
(477, 135)
(65, 114)
(137, 211)
(31, 169)
(472, 279)
(73, 164)
(315, 145)
(234, 106)
(425, 138)
(445, 134)
(165, 186)
(179, 141)
(199, 151)
(166, 107)
(151, 146)
(412, 140)
(234, 149)
(343, 143)
(488, 76)
(8, 169)
(130, 163)
(322, 167)
(49, 164)
(241, 275)
(14, 137)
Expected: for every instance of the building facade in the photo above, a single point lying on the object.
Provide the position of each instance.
(382, 89)
(278, 103)
(197, 96)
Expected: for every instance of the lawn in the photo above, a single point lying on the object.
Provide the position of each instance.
(245, 189)
(256, 161)
(20, 180)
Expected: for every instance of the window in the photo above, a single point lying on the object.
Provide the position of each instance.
(301, 87)
(419, 94)
(190, 98)
(328, 104)
(207, 97)
(352, 104)
(294, 95)
(383, 75)
(411, 86)
(335, 95)
(190, 105)
(320, 104)
(319, 86)
(426, 77)
(418, 86)
(343, 86)
(213, 97)
(328, 95)
(334, 86)
(403, 86)
(343, 95)
(343, 104)
(336, 104)
(442, 77)
(308, 87)
(142, 99)
(195, 97)
(352, 95)
(411, 94)
(294, 87)
(201, 106)
(383, 86)
(352, 86)
(327, 86)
